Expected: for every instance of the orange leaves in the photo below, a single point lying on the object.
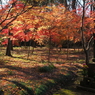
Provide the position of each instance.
(19, 6)
(43, 32)
(5, 31)
(27, 37)
(42, 23)
(15, 42)
(30, 26)
(48, 22)
(17, 28)
(5, 42)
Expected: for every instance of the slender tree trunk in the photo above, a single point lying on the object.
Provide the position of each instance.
(29, 50)
(87, 57)
(68, 49)
(93, 9)
(83, 39)
(49, 49)
(59, 49)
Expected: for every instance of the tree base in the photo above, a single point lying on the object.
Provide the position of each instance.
(86, 88)
(91, 70)
(93, 60)
(87, 84)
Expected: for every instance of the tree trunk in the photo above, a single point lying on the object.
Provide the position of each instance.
(62, 1)
(49, 48)
(83, 38)
(93, 6)
(11, 45)
(8, 50)
(87, 57)
(73, 4)
(65, 3)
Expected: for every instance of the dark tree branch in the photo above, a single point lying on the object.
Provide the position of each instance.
(89, 42)
(12, 18)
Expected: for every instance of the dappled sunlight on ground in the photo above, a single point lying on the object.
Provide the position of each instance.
(21, 68)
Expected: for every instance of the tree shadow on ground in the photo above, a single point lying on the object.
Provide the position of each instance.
(21, 86)
(32, 73)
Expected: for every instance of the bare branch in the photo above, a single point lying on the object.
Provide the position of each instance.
(89, 42)
(12, 18)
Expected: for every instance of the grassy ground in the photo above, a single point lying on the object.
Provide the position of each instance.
(27, 71)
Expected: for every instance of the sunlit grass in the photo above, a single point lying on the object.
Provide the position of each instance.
(81, 60)
(18, 55)
(65, 92)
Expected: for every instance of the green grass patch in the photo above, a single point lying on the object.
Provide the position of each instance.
(46, 68)
(43, 88)
(81, 61)
(64, 92)
(60, 80)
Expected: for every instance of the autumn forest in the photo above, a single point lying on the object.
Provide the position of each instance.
(47, 47)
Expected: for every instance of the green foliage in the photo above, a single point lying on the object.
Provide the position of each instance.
(62, 79)
(23, 92)
(45, 87)
(12, 85)
(41, 90)
(81, 60)
(46, 68)
(25, 88)
(85, 72)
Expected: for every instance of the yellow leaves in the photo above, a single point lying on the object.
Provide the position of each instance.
(18, 22)
(32, 29)
(43, 27)
(36, 21)
(0, 27)
(5, 37)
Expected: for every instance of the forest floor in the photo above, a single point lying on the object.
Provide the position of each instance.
(21, 74)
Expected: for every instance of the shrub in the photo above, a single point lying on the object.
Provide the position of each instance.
(46, 68)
